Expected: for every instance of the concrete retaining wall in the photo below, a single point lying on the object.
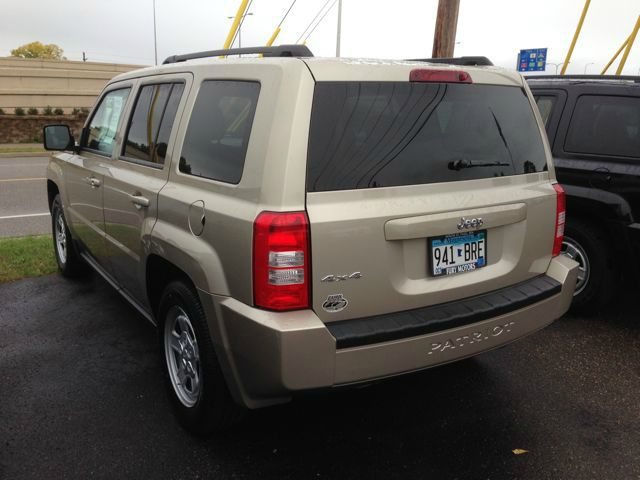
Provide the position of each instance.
(56, 83)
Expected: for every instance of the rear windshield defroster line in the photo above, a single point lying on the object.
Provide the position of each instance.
(383, 134)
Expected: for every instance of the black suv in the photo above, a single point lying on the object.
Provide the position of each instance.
(593, 125)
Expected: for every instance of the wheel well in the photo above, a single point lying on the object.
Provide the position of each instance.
(52, 191)
(599, 217)
(159, 274)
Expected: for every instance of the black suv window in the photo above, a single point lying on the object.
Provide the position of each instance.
(382, 134)
(102, 129)
(216, 141)
(545, 105)
(151, 122)
(605, 125)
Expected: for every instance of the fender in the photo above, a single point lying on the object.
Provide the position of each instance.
(55, 174)
(167, 241)
(593, 201)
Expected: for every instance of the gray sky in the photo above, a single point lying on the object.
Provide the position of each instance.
(122, 30)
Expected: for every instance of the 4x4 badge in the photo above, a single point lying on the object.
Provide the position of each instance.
(342, 278)
(335, 303)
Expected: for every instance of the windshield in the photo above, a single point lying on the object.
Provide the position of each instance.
(382, 134)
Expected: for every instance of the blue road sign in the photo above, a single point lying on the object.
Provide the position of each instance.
(532, 60)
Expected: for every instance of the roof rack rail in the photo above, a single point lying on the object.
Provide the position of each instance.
(279, 51)
(633, 78)
(464, 61)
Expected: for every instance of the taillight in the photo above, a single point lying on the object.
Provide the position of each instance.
(281, 272)
(560, 219)
(439, 76)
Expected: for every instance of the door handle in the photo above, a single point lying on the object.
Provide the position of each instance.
(93, 181)
(139, 201)
(603, 175)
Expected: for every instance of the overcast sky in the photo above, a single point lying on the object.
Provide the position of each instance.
(122, 30)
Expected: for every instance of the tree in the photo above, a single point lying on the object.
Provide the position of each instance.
(38, 50)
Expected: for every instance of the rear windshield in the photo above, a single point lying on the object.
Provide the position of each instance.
(383, 134)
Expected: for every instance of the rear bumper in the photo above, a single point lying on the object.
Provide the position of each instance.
(267, 356)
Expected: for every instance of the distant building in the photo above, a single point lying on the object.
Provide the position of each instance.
(65, 84)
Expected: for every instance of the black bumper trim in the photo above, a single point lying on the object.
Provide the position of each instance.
(411, 323)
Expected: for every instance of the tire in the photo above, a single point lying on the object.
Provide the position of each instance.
(596, 279)
(70, 264)
(195, 383)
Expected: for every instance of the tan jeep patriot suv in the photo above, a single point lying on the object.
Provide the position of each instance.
(293, 223)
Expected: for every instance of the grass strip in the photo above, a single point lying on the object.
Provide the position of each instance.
(22, 150)
(22, 257)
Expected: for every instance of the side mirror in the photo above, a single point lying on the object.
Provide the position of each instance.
(58, 137)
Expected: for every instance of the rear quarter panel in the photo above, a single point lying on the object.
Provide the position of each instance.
(219, 260)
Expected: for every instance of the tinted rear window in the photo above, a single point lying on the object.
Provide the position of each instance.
(382, 134)
(605, 125)
(218, 134)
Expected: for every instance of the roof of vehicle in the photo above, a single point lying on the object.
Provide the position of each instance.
(625, 80)
(338, 69)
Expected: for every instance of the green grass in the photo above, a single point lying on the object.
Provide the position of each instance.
(22, 149)
(22, 257)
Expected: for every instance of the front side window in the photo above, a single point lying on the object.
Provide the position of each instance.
(605, 125)
(218, 134)
(151, 122)
(101, 134)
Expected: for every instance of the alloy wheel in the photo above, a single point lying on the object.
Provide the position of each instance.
(182, 356)
(572, 249)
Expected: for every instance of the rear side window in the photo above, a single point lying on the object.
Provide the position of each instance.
(104, 123)
(545, 105)
(151, 122)
(216, 140)
(605, 125)
(382, 134)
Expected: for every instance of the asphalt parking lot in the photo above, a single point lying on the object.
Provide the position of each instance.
(81, 396)
(23, 196)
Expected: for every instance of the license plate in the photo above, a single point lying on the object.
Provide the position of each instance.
(458, 253)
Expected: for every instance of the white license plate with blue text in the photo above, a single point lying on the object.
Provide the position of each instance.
(458, 253)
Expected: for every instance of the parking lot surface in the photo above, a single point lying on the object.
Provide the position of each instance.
(23, 196)
(81, 396)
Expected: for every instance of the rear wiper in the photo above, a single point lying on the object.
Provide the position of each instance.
(463, 163)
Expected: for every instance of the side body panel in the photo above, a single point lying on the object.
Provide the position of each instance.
(600, 188)
(205, 227)
(605, 183)
(80, 179)
(131, 202)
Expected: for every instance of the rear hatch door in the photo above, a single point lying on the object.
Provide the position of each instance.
(421, 193)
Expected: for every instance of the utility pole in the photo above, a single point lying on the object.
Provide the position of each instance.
(84, 57)
(339, 28)
(632, 38)
(155, 37)
(444, 37)
(556, 65)
(575, 37)
(244, 16)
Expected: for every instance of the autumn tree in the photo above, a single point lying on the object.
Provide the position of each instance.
(38, 50)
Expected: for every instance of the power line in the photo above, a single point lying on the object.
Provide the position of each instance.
(311, 23)
(285, 15)
(320, 21)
